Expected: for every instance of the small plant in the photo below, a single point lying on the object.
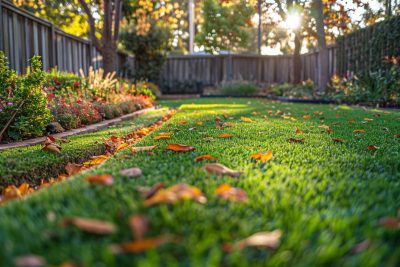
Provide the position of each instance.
(238, 88)
(99, 84)
(304, 90)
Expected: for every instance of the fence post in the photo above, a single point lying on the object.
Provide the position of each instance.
(52, 47)
(1, 26)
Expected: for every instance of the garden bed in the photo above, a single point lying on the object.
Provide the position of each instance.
(324, 197)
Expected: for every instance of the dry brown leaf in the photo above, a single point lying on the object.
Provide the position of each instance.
(371, 147)
(205, 157)
(95, 161)
(245, 119)
(91, 225)
(182, 122)
(131, 172)
(294, 140)
(141, 245)
(148, 192)
(225, 135)
(29, 261)
(351, 121)
(175, 193)
(218, 123)
(338, 140)
(307, 117)
(139, 225)
(179, 148)
(159, 137)
(220, 170)
(263, 157)
(368, 119)
(73, 168)
(269, 240)
(390, 222)
(227, 192)
(104, 179)
(359, 131)
(397, 136)
(298, 131)
(53, 148)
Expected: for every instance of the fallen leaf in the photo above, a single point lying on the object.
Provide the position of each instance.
(390, 222)
(205, 157)
(376, 115)
(199, 123)
(131, 172)
(141, 245)
(368, 119)
(220, 170)
(269, 240)
(161, 137)
(351, 121)
(180, 148)
(307, 117)
(294, 140)
(148, 192)
(218, 123)
(135, 150)
(175, 193)
(329, 131)
(359, 131)
(183, 122)
(54, 148)
(338, 140)
(397, 136)
(121, 147)
(225, 135)
(227, 192)
(298, 131)
(228, 123)
(371, 147)
(104, 179)
(96, 160)
(73, 168)
(326, 127)
(245, 119)
(209, 139)
(264, 157)
(29, 261)
(139, 225)
(90, 225)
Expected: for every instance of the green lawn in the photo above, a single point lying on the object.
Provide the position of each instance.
(31, 164)
(325, 197)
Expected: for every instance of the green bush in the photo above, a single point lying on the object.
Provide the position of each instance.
(242, 88)
(304, 90)
(24, 111)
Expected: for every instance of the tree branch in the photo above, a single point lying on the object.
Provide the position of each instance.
(88, 12)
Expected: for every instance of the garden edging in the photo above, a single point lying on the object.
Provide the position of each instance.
(86, 129)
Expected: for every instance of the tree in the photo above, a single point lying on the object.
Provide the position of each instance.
(323, 57)
(110, 11)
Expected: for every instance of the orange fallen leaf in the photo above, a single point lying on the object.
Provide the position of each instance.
(351, 121)
(73, 168)
(298, 131)
(338, 140)
(359, 131)
(96, 160)
(91, 225)
(175, 193)
(294, 140)
(205, 157)
(148, 192)
(135, 150)
(397, 136)
(29, 261)
(141, 245)
(225, 135)
(329, 131)
(264, 157)
(245, 119)
(180, 148)
(139, 225)
(269, 240)
(131, 172)
(161, 137)
(199, 123)
(182, 122)
(220, 170)
(104, 179)
(227, 192)
(307, 117)
(326, 127)
(372, 147)
(121, 147)
(376, 115)
(228, 123)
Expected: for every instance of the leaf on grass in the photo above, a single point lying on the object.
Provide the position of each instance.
(139, 225)
(294, 140)
(298, 131)
(135, 150)
(148, 192)
(359, 131)
(368, 119)
(390, 222)
(175, 193)
(263, 157)
(338, 140)
(205, 157)
(104, 179)
(180, 148)
(351, 121)
(218, 123)
(90, 225)
(209, 139)
(29, 261)
(307, 117)
(182, 122)
(131, 172)
(227, 192)
(326, 127)
(141, 245)
(199, 123)
(397, 136)
(53, 148)
(372, 147)
(96, 160)
(228, 123)
(220, 170)
(269, 240)
(376, 115)
(49, 140)
(225, 135)
(245, 119)
(73, 168)
(329, 131)
(121, 147)
(161, 137)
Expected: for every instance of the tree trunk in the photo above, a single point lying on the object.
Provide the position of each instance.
(109, 54)
(323, 56)
(297, 58)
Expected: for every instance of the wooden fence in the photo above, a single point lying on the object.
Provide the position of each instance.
(23, 35)
(211, 70)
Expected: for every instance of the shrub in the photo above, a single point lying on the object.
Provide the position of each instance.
(24, 110)
(303, 90)
(242, 88)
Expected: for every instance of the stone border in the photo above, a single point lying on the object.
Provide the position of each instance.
(87, 129)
